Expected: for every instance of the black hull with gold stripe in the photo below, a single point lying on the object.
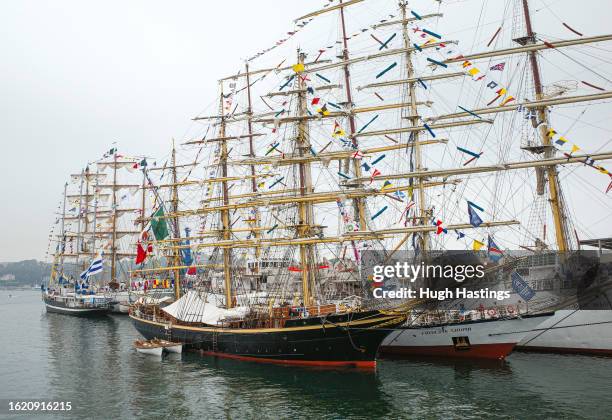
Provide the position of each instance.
(350, 339)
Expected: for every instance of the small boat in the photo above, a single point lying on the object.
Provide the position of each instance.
(169, 346)
(149, 347)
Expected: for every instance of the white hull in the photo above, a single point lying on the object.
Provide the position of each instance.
(488, 339)
(573, 331)
(155, 351)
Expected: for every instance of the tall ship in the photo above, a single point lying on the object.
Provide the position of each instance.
(93, 247)
(316, 154)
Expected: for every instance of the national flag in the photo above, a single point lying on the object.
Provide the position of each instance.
(475, 220)
(95, 267)
(159, 225)
(493, 251)
(499, 67)
(141, 253)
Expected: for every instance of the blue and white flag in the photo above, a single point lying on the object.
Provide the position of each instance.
(475, 220)
(521, 287)
(95, 267)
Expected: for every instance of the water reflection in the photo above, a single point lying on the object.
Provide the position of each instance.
(92, 363)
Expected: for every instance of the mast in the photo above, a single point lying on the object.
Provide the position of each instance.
(304, 208)
(225, 215)
(78, 238)
(85, 225)
(175, 206)
(95, 196)
(358, 203)
(249, 113)
(63, 229)
(414, 121)
(554, 186)
(143, 199)
(114, 216)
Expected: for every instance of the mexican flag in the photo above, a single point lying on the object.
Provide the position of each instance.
(159, 225)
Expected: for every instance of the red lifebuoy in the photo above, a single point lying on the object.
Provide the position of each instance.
(492, 312)
(510, 309)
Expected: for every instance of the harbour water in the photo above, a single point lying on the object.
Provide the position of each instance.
(92, 364)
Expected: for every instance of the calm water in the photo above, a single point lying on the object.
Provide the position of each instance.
(92, 364)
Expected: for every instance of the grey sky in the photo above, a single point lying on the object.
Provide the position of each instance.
(78, 75)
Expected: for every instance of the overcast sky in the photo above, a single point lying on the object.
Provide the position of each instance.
(77, 75)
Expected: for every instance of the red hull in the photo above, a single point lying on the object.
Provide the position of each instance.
(496, 351)
(370, 364)
(566, 350)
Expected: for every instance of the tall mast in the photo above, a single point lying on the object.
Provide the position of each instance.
(304, 207)
(95, 196)
(63, 229)
(114, 216)
(225, 216)
(85, 214)
(358, 203)
(175, 207)
(414, 121)
(143, 199)
(249, 113)
(554, 186)
(78, 238)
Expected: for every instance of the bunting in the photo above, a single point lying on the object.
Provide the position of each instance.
(493, 251)
(562, 143)
(475, 219)
(477, 245)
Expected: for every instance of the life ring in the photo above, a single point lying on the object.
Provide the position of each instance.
(510, 309)
(492, 312)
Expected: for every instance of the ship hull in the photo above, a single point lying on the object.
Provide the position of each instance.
(62, 308)
(572, 331)
(486, 339)
(332, 341)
